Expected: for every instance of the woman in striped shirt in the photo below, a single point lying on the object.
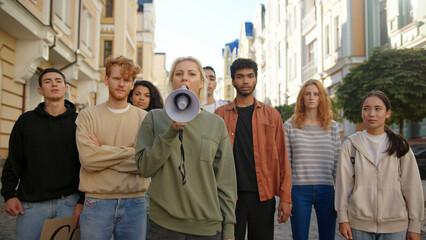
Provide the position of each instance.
(313, 144)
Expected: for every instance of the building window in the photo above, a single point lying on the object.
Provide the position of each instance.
(62, 11)
(109, 8)
(107, 49)
(312, 53)
(279, 54)
(140, 55)
(337, 33)
(407, 12)
(383, 21)
(86, 29)
(327, 40)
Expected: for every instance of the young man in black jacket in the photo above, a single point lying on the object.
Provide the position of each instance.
(43, 161)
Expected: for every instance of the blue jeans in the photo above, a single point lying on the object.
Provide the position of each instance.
(124, 218)
(30, 224)
(322, 197)
(361, 235)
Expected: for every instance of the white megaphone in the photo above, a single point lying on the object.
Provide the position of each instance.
(182, 105)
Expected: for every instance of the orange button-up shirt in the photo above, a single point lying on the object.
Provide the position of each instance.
(271, 160)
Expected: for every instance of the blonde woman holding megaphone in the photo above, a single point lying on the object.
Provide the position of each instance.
(188, 155)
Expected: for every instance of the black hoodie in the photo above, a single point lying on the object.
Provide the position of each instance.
(43, 156)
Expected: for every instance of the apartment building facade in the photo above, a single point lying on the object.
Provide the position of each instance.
(398, 24)
(35, 35)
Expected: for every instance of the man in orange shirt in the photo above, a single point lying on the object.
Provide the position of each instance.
(262, 164)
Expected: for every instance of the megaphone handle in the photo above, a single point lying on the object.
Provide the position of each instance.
(181, 167)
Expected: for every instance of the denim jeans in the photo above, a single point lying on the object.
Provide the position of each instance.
(122, 218)
(30, 224)
(322, 198)
(361, 235)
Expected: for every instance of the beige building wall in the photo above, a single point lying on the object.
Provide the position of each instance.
(25, 38)
(35, 35)
(125, 28)
(160, 74)
(229, 55)
(11, 92)
(121, 30)
(145, 40)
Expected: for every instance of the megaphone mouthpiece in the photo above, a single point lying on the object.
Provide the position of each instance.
(182, 101)
(182, 105)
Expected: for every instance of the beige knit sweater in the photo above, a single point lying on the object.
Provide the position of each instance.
(109, 171)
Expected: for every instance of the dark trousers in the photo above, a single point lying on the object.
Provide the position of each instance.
(157, 232)
(257, 215)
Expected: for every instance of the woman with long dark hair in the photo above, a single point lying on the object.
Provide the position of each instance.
(145, 95)
(378, 189)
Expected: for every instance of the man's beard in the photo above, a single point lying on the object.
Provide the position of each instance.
(118, 97)
(245, 94)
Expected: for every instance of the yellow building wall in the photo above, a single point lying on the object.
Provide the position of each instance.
(92, 9)
(11, 91)
(133, 12)
(130, 52)
(101, 48)
(73, 91)
(147, 61)
(107, 20)
(34, 7)
(67, 39)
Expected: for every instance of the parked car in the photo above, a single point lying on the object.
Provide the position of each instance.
(419, 151)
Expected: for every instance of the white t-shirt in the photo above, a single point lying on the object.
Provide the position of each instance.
(211, 107)
(113, 110)
(376, 145)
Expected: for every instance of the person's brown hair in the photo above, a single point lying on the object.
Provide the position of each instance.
(325, 115)
(129, 69)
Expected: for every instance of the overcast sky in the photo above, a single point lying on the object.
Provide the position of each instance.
(200, 28)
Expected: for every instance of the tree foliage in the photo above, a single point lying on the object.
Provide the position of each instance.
(400, 73)
(286, 111)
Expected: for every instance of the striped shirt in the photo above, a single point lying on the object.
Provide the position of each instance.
(313, 153)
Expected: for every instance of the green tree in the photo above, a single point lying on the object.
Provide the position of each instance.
(286, 111)
(400, 73)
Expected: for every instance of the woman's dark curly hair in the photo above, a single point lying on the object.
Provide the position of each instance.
(156, 101)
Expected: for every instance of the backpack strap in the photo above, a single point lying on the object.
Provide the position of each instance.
(353, 151)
